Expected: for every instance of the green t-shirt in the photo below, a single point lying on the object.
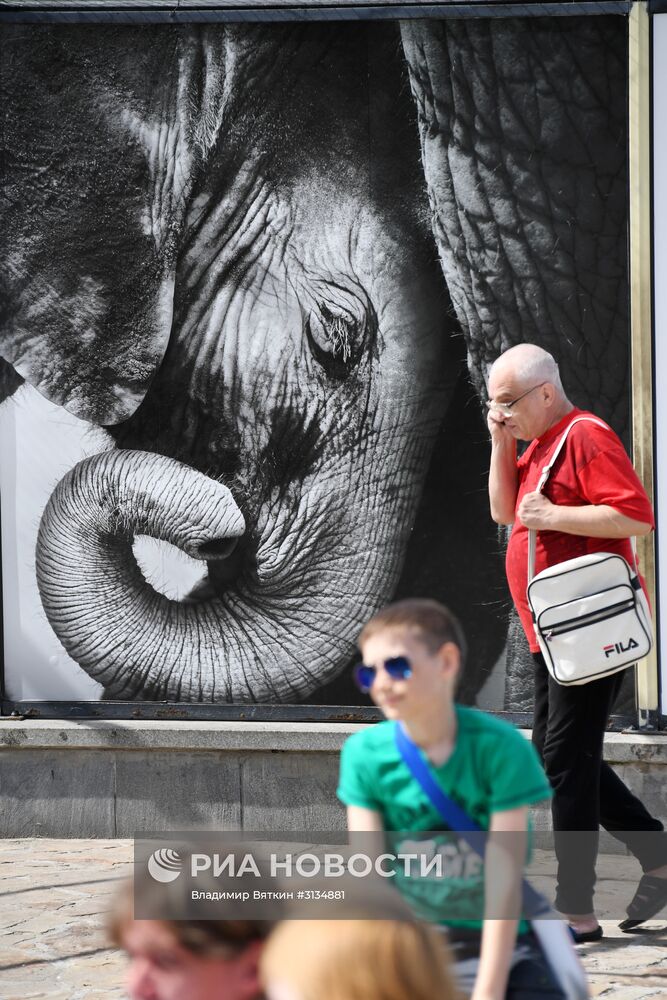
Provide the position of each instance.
(492, 768)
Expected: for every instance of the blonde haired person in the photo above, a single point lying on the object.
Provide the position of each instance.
(356, 960)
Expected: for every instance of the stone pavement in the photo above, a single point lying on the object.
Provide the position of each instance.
(54, 894)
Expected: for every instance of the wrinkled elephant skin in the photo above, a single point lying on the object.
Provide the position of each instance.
(211, 260)
(215, 247)
(524, 144)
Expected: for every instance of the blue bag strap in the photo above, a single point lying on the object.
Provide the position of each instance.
(456, 818)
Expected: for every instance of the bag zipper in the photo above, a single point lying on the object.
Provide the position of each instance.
(571, 624)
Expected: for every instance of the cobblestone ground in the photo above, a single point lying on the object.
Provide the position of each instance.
(54, 895)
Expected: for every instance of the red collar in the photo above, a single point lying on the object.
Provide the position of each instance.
(556, 429)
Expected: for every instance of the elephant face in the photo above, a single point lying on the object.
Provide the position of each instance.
(256, 305)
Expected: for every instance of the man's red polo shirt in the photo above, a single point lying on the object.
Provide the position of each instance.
(592, 468)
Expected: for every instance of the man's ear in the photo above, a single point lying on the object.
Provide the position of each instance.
(549, 394)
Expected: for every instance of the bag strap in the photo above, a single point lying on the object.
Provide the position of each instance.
(456, 818)
(546, 472)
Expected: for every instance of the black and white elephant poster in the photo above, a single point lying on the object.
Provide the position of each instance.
(252, 279)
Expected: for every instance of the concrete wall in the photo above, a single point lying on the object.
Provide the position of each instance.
(98, 778)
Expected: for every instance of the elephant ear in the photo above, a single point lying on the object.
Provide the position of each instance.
(95, 172)
(10, 381)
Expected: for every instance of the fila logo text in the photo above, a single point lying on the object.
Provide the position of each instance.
(618, 647)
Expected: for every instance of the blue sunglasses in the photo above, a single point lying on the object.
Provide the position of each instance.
(398, 668)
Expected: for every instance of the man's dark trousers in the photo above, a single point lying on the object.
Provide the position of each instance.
(568, 733)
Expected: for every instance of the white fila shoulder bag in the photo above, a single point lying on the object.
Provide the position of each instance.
(590, 614)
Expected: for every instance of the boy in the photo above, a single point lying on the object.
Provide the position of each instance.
(412, 654)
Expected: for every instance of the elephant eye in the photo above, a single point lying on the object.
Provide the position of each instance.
(336, 337)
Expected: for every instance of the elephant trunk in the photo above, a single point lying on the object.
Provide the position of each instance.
(124, 633)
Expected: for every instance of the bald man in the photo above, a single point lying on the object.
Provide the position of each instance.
(593, 502)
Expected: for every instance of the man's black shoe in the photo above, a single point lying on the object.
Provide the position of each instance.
(649, 899)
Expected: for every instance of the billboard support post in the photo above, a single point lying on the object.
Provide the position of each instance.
(639, 177)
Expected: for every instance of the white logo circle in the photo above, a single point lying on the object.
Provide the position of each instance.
(165, 865)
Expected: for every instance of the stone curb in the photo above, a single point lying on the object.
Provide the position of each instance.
(106, 734)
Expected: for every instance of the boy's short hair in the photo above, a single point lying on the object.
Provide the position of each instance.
(434, 622)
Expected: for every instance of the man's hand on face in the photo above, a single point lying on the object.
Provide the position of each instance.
(498, 429)
(536, 512)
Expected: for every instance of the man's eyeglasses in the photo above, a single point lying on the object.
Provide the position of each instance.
(398, 668)
(505, 409)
